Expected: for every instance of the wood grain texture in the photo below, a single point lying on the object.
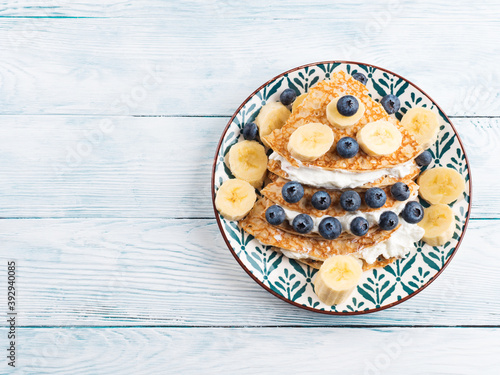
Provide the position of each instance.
(99, 272)
(263, 351)
(240, 9)
(104, 66)
(68, 166)
(110, 216)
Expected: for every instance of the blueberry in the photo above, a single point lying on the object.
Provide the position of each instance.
(424, 159)
(347, 147)
(275, 215)
(360, 77)
(400, 191)
(350, 200)
(347, 105)
(330, 228)
(321, 200)
(391, 103)
(303, 223)
(375, 197)
(250, 131)
(288, 96)
(413, 212)
(388, 220)
(359, 226)
(292, 192)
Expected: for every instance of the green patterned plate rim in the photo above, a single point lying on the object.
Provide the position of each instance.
(379, 288)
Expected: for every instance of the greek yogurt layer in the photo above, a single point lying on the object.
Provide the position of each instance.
(372, 217)
(338, 179)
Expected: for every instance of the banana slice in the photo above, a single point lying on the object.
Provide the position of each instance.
(235, 198)
(340, 121)
(423, 124)
(379, 138)
(337, 278)
(272, 116)
(310, 141)
(298, 100)
(439, 224)
(248, 161)
(441, 185)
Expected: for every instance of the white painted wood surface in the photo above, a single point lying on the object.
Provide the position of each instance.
(241, 9)
(99, 272)
(208, 66)
(67, 166)
(263, 350)
(110, 112)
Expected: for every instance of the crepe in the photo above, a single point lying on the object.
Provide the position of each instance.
(273, 192)
(313, 249)
(313, 109)
(381, 262)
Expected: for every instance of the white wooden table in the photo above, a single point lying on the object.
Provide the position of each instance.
(110, 112)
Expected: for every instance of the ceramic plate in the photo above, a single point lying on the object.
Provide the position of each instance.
(379, 288)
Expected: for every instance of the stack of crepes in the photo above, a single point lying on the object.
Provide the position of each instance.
(334, 174)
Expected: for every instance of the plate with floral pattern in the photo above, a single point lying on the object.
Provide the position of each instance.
(378, 288)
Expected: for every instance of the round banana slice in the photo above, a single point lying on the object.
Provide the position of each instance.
(248, 161)
(439, 224)
(235, 198)
(340, 121)
(272, 116)
(441, 185)
(337, 278)
(298, 100)
(379, 138)
(310, 141)
(423, 124)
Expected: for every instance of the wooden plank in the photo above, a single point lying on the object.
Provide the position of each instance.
(293, 9)
(154, 67)
(99, 272)
(258, 350)
(86, 166)
(119, 166)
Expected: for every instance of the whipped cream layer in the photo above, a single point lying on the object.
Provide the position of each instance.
(338, 179)
(373, 217)
(398, 245)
